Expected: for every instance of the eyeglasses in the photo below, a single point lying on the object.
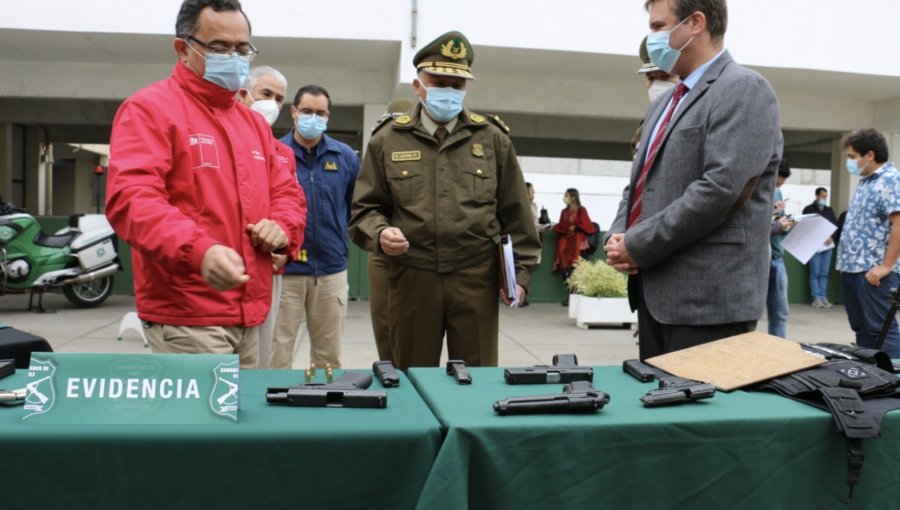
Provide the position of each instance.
(245, 51)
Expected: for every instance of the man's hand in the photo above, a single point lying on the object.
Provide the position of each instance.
(617, 255)
(786, 223)
(267, 235)
(278, 261)
(223, 268)
(874, 275)
(520, 295)
(829, 241)
(779, 206)
(393, 242)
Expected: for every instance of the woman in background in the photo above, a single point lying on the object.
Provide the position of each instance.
(572, 230)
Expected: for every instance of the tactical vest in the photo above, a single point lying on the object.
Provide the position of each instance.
(857, 386)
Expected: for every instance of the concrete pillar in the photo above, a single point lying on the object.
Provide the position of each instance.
(842, 183)
(6, 160)
(35, 171)
(372, 113)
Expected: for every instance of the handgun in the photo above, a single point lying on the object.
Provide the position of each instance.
(676, 390)
(577, 397)
(457, 368)
(564, 369)
(386, 373)
(348, 390)
(638, 370)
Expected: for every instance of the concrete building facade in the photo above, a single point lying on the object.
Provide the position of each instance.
(561, 74)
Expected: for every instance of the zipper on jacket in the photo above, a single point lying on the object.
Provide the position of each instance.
(315, 243)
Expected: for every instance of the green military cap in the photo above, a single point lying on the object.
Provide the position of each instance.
(648, 66)
(448, 55)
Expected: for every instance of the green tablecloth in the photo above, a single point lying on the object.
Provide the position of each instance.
(274, 457)
(741, 450)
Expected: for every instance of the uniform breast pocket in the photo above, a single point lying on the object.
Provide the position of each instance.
(479, 180)
(407, 182)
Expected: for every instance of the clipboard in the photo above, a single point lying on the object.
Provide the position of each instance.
(507, 270)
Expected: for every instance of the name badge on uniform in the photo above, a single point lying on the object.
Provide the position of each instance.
(406, 156)
(331, 165)
(477, 150)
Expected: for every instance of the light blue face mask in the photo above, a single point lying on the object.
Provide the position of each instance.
(311, 126)
(822, 203)
(661, 54)
(443, 104)
(854, 168)
(226, 71)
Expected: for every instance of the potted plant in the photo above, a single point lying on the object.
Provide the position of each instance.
(598, 295)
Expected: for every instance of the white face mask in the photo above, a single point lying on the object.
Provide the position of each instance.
(658, 88)
(268, 108)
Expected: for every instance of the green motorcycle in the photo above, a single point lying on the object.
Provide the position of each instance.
(80, 259)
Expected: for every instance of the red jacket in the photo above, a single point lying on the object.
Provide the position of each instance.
(570, 242)
(189, 167)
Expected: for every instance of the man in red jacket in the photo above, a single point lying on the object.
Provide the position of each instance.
(196, 188)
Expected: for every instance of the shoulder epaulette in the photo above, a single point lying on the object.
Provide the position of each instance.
(498, 121)
(383, 122)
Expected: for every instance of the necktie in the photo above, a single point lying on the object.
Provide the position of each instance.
(440, 134)
(634, 215)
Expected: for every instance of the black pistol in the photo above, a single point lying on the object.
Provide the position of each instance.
(457, 368)
(577, 397)
(640, 371)
(677, 390)
(348, 390)
(386, 373)
(564, 369)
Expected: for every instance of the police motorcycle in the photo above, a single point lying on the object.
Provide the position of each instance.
(80, 259)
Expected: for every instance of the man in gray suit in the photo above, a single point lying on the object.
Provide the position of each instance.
(693, 225)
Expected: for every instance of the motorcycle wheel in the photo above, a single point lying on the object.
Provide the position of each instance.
(91, 294)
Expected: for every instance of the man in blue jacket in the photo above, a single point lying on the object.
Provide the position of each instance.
(314, 289)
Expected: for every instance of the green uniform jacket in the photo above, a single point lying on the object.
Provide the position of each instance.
(450, 202)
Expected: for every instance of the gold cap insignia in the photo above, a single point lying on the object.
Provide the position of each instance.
(477, 150)
(474, 117)
(403, 120)
(455, 49)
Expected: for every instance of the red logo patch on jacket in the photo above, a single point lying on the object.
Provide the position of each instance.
(204, 151)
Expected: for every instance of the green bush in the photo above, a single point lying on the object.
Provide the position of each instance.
(596, 279)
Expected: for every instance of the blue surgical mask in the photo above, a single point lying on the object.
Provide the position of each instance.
(311, 126)
(661, 54)
(226, 71)
(822, 203)
(854, 168)
(443, 104)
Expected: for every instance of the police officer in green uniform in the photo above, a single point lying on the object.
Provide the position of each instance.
(658, 83)
(437, 188)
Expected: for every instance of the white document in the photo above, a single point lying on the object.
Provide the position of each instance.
(509, 271)
(808, 236)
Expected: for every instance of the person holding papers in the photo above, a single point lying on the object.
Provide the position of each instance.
(820, 263)
(439, 185)
(777, 297)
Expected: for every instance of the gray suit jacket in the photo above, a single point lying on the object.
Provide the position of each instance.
(702, 243)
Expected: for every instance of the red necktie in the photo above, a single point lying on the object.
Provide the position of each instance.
(634, 215)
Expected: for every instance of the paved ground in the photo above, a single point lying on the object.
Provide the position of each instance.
(528, 336)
